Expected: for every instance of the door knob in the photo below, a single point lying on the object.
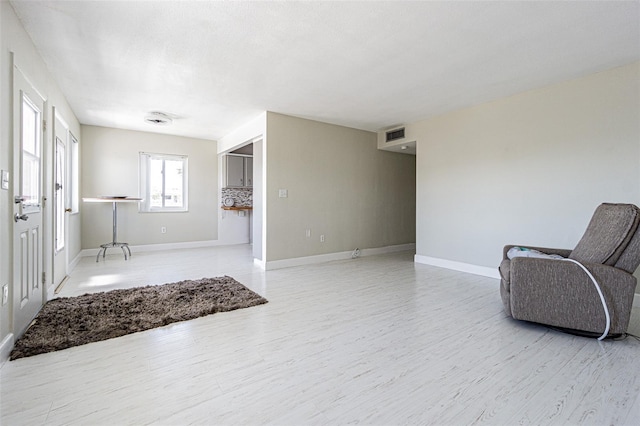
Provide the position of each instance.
(18, 217)
(67, 210)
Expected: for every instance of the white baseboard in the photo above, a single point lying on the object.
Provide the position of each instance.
(5, 348)
(458, 266)
(321, 258)
(387, 249)
(74, 262)
(161, 247)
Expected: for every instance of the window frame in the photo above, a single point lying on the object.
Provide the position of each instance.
(32, 204)
(74, 174)
(146, 180)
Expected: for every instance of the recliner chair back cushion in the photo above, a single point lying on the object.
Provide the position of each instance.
(630, 258)
(608, 234)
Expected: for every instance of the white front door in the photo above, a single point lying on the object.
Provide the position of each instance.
(28, 287)
(60, 198)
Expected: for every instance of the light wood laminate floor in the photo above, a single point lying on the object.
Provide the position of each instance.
(375, 340)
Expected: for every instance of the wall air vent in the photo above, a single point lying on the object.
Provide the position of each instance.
(395, 134)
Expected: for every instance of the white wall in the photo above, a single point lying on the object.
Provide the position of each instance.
(110, 159)
(339, 184)
(14, 39)
(243, 134)
(529, 169)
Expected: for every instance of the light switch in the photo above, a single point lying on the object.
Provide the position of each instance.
(283, 193)
(5, 179)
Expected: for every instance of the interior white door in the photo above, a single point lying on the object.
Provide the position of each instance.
(60, 200)
(28, 287)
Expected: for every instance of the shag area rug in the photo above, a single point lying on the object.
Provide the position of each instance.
(72, 321)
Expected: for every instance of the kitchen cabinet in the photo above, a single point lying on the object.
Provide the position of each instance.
(239, 171)
(248, 171)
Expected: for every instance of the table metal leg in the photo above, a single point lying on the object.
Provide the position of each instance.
(115, 222)
(114, 242)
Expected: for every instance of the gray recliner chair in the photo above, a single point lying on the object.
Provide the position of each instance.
(561, 294)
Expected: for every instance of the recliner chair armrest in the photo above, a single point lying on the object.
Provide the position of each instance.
(546, 250)
(560, 293)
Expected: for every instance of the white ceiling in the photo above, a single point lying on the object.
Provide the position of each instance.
(368, 65)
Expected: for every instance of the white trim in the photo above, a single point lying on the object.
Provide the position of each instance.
(51, 292)
(160, 247)
(72, 265)
(321, 258)
(458, 266)
(386, 249)
(5, 348)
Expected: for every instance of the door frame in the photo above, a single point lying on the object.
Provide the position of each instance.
(60, 129)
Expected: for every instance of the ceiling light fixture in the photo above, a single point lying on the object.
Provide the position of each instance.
(158, 118)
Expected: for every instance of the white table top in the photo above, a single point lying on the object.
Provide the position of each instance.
(112, 199)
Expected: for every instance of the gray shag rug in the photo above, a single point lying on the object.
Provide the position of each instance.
(72, 321)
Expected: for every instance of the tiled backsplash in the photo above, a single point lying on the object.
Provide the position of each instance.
(242, 197)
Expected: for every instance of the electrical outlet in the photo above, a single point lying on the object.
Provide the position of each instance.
(5, 294)
(163, 230)
(322, 238)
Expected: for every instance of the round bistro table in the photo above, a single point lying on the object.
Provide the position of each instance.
(114, 200)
